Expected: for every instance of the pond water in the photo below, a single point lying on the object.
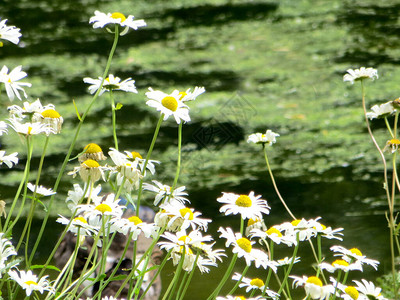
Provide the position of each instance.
(354, 204)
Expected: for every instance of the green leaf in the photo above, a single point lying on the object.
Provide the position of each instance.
(119, 106)
(50, 267)
(76, 110)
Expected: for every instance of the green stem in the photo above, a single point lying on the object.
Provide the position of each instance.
(285, 279)
(82, 119)
(246, 268)
(190, 276)
(114, 122)
(172, 286)
(227, 274)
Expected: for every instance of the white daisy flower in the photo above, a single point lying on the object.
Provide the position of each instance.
(32, 110)
(354, 256)
(177, 217)
(249, 206)
(313, 287)
(256, 223)
(107, 207)
(164, 192)
(76, 195)
(53, 119)
(40, 190)
(101, 19)
(11, 82)
(392, 145)
(30, 282)
(89, 170)
(168, 104)
(244, 248)
(254, 284)
(135, 226)
(110, 83)
(78, 225)
(6, 250)
(9, 33)
(359, 74)
(305, 229)
(190, 96)
(3, 127)
(92, 151)
(28, 129)
(328, 232)
(381, 111)
(368, 289)
(339, 264)
(269, 138)
(136, 157)
(9, 160)
(287, 261)
(275, 235)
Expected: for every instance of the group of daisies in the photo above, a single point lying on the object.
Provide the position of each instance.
(180, 229)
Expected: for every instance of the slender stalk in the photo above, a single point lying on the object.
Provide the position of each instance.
(190, 276)
(274, 184)
(75, 138)
(246, 268)
(285, 279)
(114, 123)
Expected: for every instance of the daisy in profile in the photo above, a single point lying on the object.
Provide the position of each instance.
(28, 129)
(339, 264)
(9, 160)
(52, 118)
(110, 83)
(327, 232)
(368, 289)
(6, 250)
(381, 111)
(244, 248)
(31, 110)
(89, 170)
(269, 138)
(190, 96)
(134, 225)
(169, 105)
(78, 225)
(92, 151)
(392, 145)
(305, 229)
(101, 19)
(164, 192)
(9, 33)
(254, 284)
(137, 158)
(248, 206)
(12, 82)
(40, 190)
(77, 195)
(354, 256)
(274, 235)
(313, 287)
(30, 282)
(360, 74)
(104, 207)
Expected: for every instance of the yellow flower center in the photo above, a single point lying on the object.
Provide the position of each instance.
(170, 103)
(185, 239)
(243, 201)
(394, 142)
(252, 221)
(314, 280)
(135, 220)
(244, 244)
(257, 282)
(185, 211)
(340, 262)
(295, 222)
(182, 95)
(82, 219)
(103, 208)
(90, 163)
(118, 15)
(29, 282)
(136, 154)
(188, 250)
(92, 148)
(273, 230)
(50, 113)
(352, 292)
(355, 251)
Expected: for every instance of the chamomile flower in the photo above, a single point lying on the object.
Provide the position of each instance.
(339, 264)
(104, 207)
(101, 19)
(53, 119)
(368, 289)
(249, 206)
(30, 282)
(313, 287)
(381, 111)
(12, 82)
(244, 248)
(9, 33)
(89, 170)
(8, 160)
(6, 250)
(177, 217)
(169, 105)
(134, 225)
(360, 74)
(92, 151)
(110, 83)
(40, 190)
(269, 138)
(190, 96)
(3, 127)
(254, 284)
(164, 192)
(28, 129)
(354, 256)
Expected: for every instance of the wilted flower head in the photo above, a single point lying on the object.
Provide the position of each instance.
(359, 74)
(9, 33)
(101, 19)
(92, 151)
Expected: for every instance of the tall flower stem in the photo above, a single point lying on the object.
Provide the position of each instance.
(285, 279)
(246, 268)
(227, 274)
(153, 141)
(274, 184)
(114, 118)
(386, 185)
(182, 294)
(74, 139)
